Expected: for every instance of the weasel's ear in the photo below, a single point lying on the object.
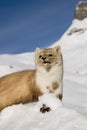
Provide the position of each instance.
(58, 49)
(38, 50)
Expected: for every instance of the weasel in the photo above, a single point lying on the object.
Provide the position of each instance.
(26, 86)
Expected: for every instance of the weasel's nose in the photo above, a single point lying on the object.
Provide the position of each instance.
(44, 57)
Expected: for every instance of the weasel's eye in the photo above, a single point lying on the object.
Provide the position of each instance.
(50, 55)
(40, 56)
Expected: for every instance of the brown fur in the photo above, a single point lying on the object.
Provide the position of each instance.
(55, 85)
(17, 88)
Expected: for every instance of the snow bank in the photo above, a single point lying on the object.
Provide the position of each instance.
(29, 117)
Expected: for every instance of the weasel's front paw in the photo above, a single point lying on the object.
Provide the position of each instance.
(44, 109)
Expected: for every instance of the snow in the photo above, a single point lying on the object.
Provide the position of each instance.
(28, 117)
(74, 48)
(50, 100)
(71, 114)
(14, 63)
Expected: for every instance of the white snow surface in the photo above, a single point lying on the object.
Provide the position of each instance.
(71, 114)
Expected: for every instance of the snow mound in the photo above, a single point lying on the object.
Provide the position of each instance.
(29, 117)
(49, 100)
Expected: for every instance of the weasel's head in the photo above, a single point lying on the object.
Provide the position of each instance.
(48, 57)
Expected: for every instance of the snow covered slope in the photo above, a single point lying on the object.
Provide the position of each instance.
(74, 47)
(72, 113)
(13, 63)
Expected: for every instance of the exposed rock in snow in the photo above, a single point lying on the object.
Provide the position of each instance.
(81, 10)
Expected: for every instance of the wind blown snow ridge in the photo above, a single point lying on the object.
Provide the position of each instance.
(63, 116)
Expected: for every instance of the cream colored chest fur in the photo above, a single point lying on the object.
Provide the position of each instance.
(45, 79)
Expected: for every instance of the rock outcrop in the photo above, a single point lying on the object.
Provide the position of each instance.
(81, 10)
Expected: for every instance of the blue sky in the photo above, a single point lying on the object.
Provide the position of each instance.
(27, 24)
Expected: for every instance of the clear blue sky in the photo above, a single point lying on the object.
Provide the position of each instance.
(27, 24)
